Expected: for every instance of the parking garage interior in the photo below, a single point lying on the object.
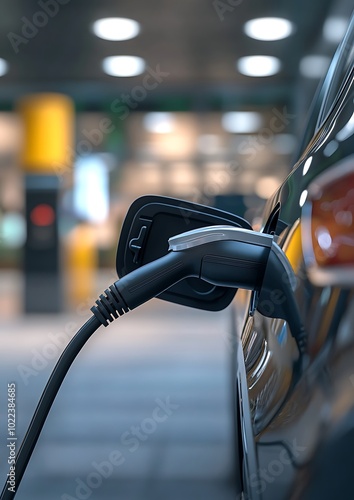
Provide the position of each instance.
(192, 103)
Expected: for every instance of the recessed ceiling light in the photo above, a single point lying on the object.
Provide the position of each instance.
(314, 66)
(269, 28)
(123, 65)
(241, 122)
(334, 29)
(4, 67)
(159, 122)
(258, 65)
(116, 28)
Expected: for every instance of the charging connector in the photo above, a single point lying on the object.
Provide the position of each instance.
(220, 255)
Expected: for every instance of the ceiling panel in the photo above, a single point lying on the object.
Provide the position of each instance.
(194, 41)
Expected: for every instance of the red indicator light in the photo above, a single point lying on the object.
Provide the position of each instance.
(332, 222)
(42, 215)
(328, 227)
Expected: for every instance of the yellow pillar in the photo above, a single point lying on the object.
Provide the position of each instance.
(82, 260)
(48, 121)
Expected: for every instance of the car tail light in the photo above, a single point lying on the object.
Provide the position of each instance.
(328, 226)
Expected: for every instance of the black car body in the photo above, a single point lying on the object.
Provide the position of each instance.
(295, 431)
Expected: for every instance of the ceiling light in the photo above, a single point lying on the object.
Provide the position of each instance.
(4, 67)
(123, 65)
(241, 122)
(314, 66)
(269, 28)
(159, 122)
(116, 28)
(334, 29)
(258, 65)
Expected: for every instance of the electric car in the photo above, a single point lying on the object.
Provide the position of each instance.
(295, 424)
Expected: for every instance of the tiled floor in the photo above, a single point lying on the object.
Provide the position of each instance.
(145, 411)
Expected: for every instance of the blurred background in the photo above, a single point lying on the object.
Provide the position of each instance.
(102, 102)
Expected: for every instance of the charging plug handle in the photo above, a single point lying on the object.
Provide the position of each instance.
(220, 255)
(246, 259)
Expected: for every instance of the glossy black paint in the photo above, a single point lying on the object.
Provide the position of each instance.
(303, 428)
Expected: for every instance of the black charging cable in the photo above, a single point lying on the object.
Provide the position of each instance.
(46, 401)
